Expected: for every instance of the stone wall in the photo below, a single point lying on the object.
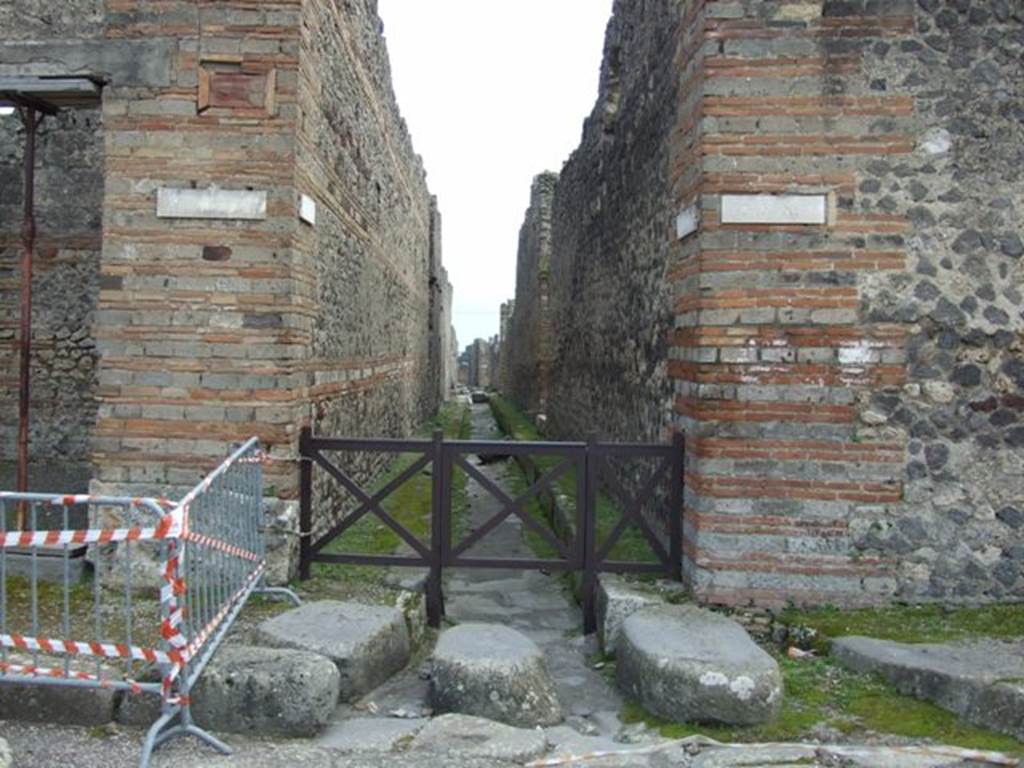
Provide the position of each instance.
(611, 219)
(851, 390)
(528, 353)
(373, 255)
(66, 285)
(212, 330)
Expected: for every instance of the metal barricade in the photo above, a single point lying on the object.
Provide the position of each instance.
(168, 582)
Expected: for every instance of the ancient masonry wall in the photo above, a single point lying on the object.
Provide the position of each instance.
(851, 391)
(69, 193)
(372, 357)
(528, 352)
(610, 224)
(213, 330)
(66, 287)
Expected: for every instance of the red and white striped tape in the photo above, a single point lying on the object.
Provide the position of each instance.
(223, 546)
(99, 650)
(28, 670)
(170, 526)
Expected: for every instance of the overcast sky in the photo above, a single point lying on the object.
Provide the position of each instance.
(494, 93)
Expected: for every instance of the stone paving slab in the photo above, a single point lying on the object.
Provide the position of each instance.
(982, 681)
(370, 734)
(476, 737)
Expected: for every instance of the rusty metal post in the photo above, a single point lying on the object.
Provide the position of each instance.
(28, 239)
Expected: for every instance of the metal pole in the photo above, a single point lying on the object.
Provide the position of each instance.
(305, 504)
(675, 520)
(28, 240)
(435, 588)
(590, 564)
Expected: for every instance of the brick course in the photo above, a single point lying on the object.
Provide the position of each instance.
(850, 392)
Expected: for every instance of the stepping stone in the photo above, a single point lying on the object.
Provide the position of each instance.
(691, 665)
(982, 681)
(266, 690)
(491, 671)
(368, 643)
(465, 736)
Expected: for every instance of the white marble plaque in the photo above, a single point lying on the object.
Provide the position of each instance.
(687, 222)
(774, 209)
(211, 204)
(307, 209)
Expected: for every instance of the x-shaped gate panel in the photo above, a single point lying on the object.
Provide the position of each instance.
(573, 456)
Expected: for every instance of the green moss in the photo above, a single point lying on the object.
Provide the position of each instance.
(912, 623)
(818, 691)
(409, 505)
(631, 546)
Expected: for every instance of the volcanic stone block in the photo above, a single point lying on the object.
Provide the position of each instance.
(983, 681)
(692, 665)
(266, 690)
(53, 704)
(617, 600)
(368, 643)
(492, 671)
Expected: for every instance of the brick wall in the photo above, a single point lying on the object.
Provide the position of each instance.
(211, 330)
(851, 391)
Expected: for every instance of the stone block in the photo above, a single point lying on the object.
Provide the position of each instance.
(617, 599)
(267, 691)
(488, 670)
(691, 665)
(367, 643)
(63, 705)
(978, 680)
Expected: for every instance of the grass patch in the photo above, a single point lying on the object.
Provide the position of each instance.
(409, 505)
(911, 623)
(819, 692)
(631, 546)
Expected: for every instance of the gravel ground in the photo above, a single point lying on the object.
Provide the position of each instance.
(48, 746)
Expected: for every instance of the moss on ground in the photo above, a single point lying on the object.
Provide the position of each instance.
(910, 623)
(631, 546)
(821, 694)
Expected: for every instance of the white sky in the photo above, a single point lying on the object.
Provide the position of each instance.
(494, 93)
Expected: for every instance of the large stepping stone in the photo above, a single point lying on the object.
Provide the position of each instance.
(691, 665)
(982, 681)
(491, 671)
(267, 691)
(465, 736)
(368, 643)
